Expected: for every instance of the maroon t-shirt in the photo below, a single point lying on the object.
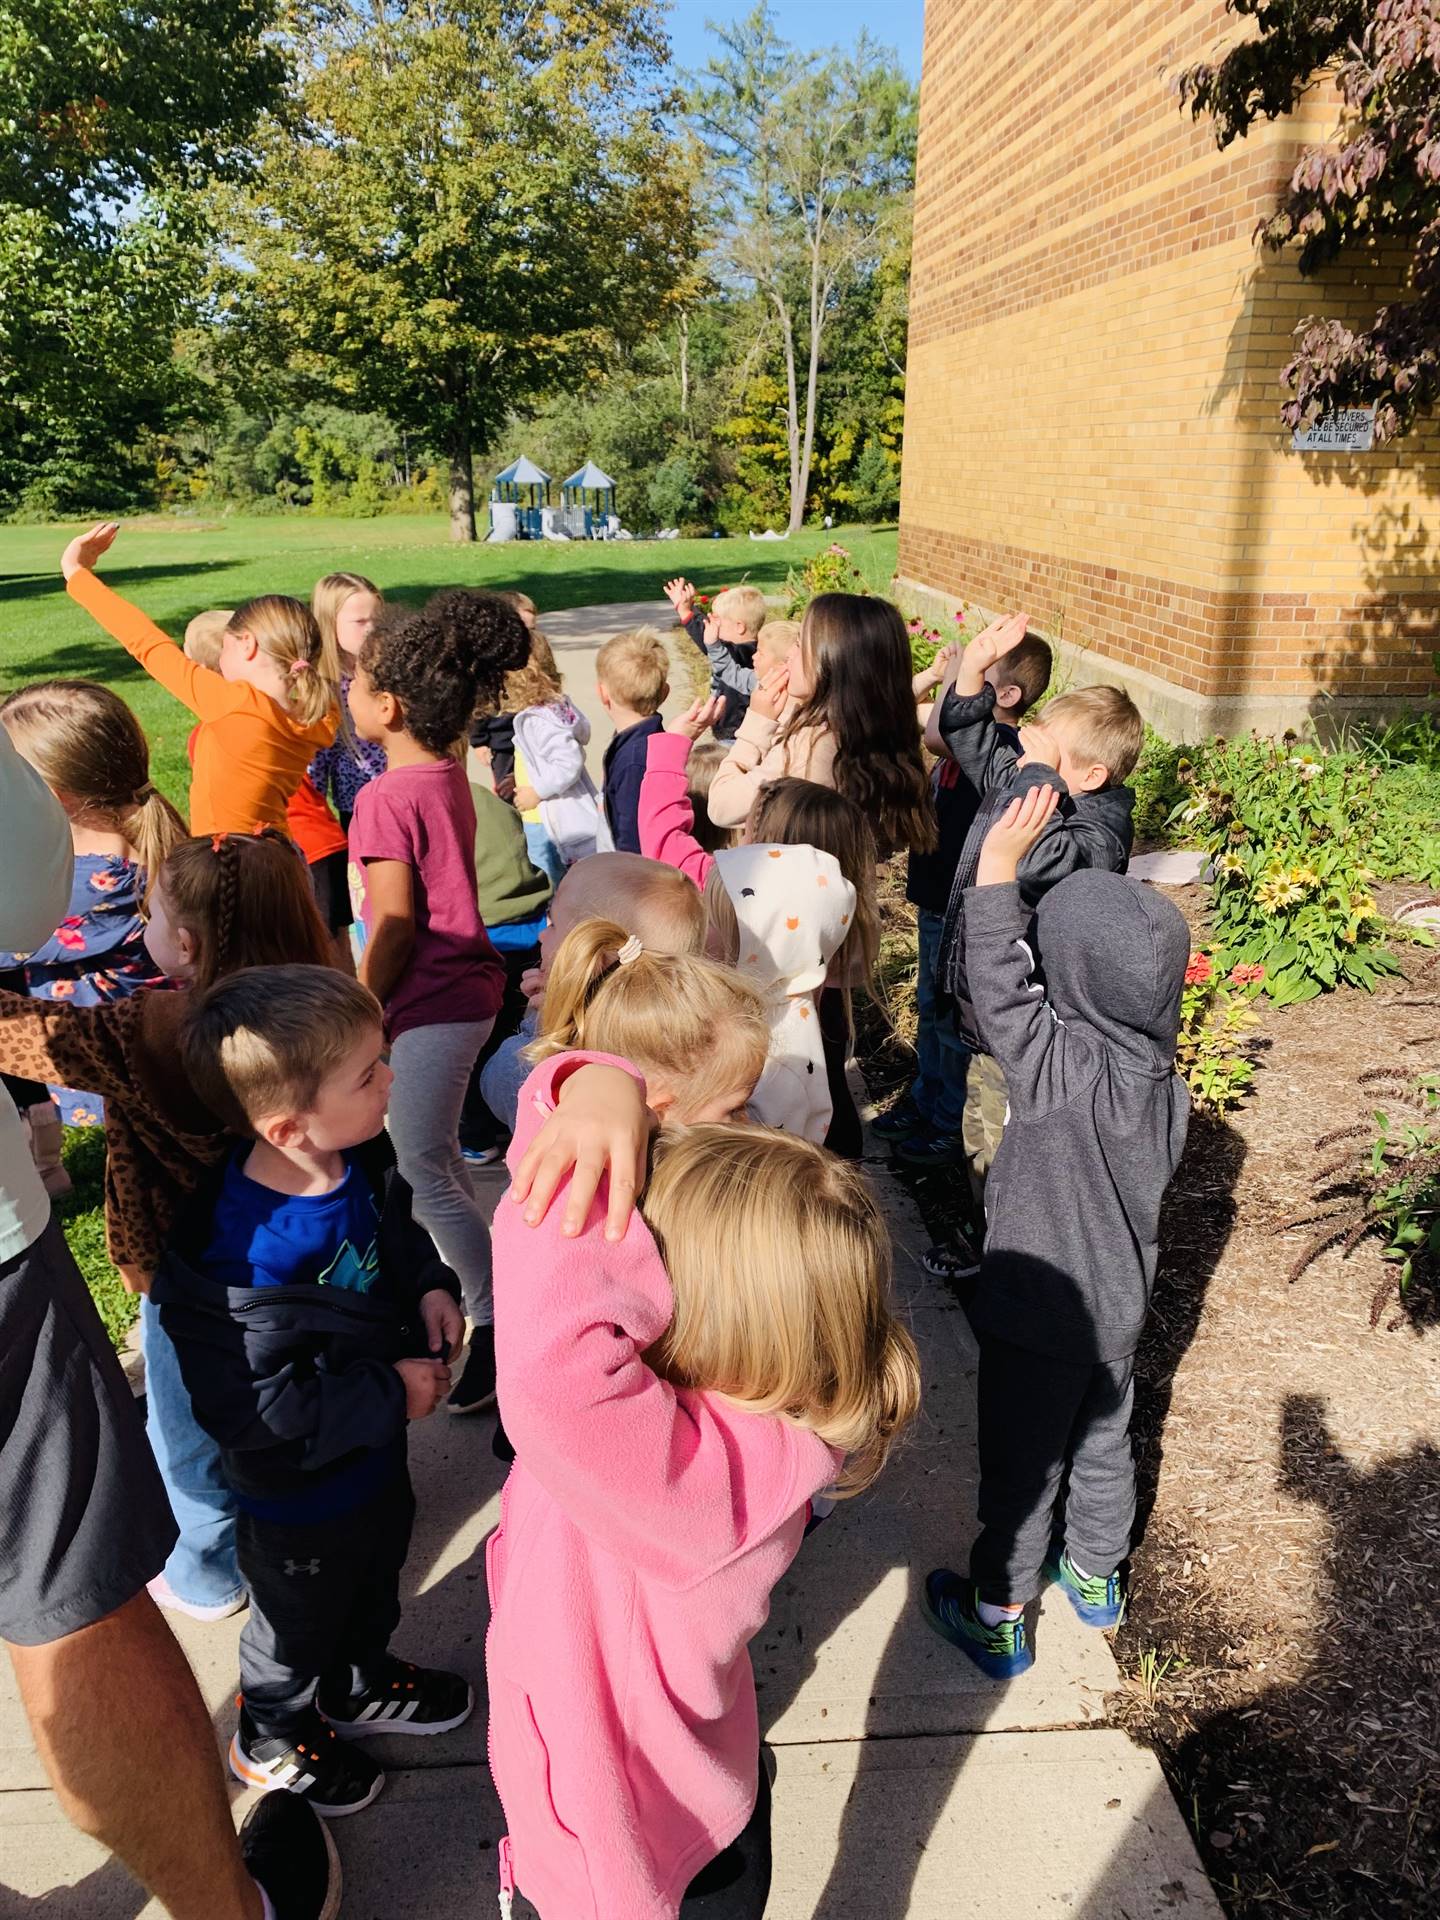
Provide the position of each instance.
(424, 816)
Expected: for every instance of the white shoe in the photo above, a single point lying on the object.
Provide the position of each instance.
(164, 1595)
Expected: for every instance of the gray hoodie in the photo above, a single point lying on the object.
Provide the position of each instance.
(1097, 1113)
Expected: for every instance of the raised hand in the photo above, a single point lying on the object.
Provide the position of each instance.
(681, 595)
(699, 718)
(86, 548)
(1014, 834)
(1002, 636)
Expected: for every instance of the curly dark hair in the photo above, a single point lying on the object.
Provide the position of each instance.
(444, 659)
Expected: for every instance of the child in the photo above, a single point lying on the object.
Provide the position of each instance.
(1085, 746)
(677, 1396)
(554, 794)
(215, 906)
(705, 760)
(87, 747)
(633, 674)
(728, 636)
(1097, 1124)
(419, 677)
(729, 677)
(262, 715)
(841, 712)
(345, 606)
(925, 1124)
(492, 735)
(313, 1318)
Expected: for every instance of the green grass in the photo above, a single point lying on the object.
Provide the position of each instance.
(174, 568)
(82, 1214)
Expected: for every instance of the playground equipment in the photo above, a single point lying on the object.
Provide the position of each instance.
(520, 493)
(588, 504)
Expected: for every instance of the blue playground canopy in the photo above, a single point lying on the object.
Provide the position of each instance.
(523, 482)
(589, 479)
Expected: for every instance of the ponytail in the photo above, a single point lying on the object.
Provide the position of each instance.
(286, 630)
(587, 956)
(154, 829)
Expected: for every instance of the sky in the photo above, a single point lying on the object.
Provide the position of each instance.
(805, 23)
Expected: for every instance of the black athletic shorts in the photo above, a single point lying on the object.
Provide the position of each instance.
(330, 878)
(84, 1520)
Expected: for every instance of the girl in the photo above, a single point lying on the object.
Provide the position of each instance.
(554, 793)
(677, 1395)
(262, 716)
(216, 905)
(841, 712)
(87, 747)
(345, 606)
(418, 679)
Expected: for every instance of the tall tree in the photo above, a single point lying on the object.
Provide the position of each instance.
(484, 200)
(812, 152)
(1378, 181)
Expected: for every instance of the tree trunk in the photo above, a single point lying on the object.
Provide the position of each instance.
(684, 366)
(801, 490)
(462, 486)
(792, 415)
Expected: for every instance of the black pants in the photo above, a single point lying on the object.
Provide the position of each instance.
(324, 1601)
(1040, 1421)
(479, 1128)
(845, 1136)
(735, 1885)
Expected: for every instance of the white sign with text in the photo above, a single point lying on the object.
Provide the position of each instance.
(1347, 430)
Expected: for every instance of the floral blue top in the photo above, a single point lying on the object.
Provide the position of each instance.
(96, 954)
(341, 770)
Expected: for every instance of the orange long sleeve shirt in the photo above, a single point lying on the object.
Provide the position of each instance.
(250, 756)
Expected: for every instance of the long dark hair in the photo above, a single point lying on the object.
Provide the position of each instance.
(863, 697)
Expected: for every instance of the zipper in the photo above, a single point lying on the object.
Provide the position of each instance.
(507, 1880)
(506, 1852)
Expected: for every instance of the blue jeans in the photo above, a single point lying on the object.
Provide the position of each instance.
(944, 1059)
(544, 853)
(203, 1568)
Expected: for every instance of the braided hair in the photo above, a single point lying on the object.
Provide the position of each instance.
(444, 659)
(246, 901)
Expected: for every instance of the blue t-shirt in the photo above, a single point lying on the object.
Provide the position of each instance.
(266, 1239)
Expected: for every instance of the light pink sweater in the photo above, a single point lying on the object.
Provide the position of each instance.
(754, 758)
(641, 1532)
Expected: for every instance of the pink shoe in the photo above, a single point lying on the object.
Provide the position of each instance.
(164, 1595)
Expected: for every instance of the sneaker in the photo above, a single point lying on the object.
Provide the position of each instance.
(960, 1262)
(1098, 1599)
(164, 1595)
(419, 1700)
(930, 1149)
(474, 1391)
(1000, 1652)
(481, 1156)
(311, 1762)
(898, 1122)
(289, 1853)
(500, 1443)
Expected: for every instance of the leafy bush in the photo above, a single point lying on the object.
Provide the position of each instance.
(1212, 1054)
(1160, 786)
(830, 571)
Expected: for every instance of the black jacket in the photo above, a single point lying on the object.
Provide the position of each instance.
(1097, 1112)
(297, 1383)
(625, 759)
(1086, 830)
(737, 704)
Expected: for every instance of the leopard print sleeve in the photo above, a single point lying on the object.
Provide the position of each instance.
(80, 1047)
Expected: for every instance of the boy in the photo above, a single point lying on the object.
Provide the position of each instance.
(1097, 1124)
(632, 672)
(728, 636)
(925, 1124)
(1085, 746)
(303, 1300)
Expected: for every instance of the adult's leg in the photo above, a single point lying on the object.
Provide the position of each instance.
(113, 1691)
(432, 1070)
(1100, 1504)
(202, 1567)
(1027, 1405)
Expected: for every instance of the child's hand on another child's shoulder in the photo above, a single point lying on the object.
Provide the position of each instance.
(771, 692)
(600, 1125)
(699, 718)
(86, 548)
(426, 1382)
(1014, 834)
(443, 1322)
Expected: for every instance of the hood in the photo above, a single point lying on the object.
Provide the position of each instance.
(1114, 953)
(794, 908)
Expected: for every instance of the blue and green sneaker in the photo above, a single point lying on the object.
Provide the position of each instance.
(948, 1603)
(1098, 1599)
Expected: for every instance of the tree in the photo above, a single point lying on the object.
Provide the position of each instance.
(1379, 181)
(483, 203)
(811, 154)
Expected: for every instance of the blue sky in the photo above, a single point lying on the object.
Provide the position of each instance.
(805, 23)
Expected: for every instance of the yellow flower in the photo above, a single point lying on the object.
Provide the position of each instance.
(1277, 890)
(1363, 907)
(1304, 876)
(1231, 863)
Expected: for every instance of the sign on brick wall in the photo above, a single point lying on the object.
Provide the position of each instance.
(1347, 430)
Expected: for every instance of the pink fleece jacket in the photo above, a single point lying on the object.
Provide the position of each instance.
(641, 1531)
(667, 813)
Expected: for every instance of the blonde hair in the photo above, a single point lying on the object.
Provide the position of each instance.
(538, 682)
(84, 742)
(788, 1311)
(776, 638)
(658, 904)
(286, 630)
(705, 760)
(327, 597)
(677, 1016)
(521, 602)
(261, 1041)
(202, 637)
(634, 668)
(246, 901)
(745, 604)
(1102, 727)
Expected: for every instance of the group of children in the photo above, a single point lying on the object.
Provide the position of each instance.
(685, 1310)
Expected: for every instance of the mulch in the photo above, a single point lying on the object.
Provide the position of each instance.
(1283, 1632)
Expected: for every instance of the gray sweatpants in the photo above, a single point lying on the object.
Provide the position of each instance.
(1040, 1418)
(432, 1070)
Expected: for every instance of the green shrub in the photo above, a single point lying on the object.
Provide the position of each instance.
(1160, 788)
(1212, 1052)
(830, 571)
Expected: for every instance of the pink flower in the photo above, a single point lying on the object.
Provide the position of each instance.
(1199, 970)
(1242, 976)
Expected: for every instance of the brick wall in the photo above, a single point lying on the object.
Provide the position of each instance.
(1092, 422)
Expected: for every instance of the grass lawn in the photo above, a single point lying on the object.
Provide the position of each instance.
(175, 568)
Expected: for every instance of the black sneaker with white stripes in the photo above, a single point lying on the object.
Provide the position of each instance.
(308, 1760)
(405, 1699)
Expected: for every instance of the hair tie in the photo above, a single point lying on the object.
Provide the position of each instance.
(298, 666)
(142, 794)
(632, 950)
(217, 841)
